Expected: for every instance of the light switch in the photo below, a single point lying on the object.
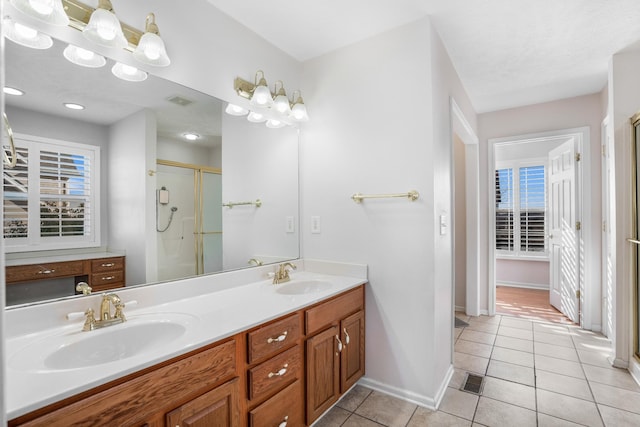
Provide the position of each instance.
(290, 226)
(315, 224)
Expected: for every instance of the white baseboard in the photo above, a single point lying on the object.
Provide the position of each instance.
(418, 399)
(619, 363)
(460, 308)
(484, 312)
(522, 285)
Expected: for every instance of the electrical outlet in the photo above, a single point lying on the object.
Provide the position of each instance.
(315, 224)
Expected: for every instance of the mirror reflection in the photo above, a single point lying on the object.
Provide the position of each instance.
(150, 181)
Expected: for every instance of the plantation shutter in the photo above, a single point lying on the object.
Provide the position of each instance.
(505, 232)
(532, 209)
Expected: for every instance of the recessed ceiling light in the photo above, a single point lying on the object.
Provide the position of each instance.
(12, 91)
(191, 136)
(72, 106)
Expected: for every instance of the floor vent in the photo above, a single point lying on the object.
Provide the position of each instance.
(473, 383)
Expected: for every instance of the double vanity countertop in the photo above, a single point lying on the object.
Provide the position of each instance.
(42, 367)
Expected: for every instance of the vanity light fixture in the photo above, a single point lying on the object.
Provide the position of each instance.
(8, 90)
(150, 49)
(24, 35)
(254, 117)
(73, 106)
(83, 57)
(299, 111)
(128, 73)
(236, 110)
(191, 136)
(104, 27)
(49, 11)
(261, 95)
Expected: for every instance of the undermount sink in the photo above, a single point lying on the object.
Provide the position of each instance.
(78, 349)
(300, 287)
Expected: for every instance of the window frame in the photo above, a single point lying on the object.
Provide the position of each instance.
(34, 241)
(517, 252)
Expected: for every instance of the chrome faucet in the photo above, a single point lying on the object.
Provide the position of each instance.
(282, 275)
(105, 319)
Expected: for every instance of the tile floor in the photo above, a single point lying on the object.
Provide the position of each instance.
(537, 374)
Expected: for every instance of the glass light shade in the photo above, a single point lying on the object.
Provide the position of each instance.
(281, 105)
(49, 11)
(104, 29)
(151, 50)
(25, 36)
(299, 113)
(275, 124)
(191, 136)
(8, 90)
(254, 117)
(83, 57)
(261, 97)
(236, 110)
(128, 73)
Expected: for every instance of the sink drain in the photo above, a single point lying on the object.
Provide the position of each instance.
(472, 383)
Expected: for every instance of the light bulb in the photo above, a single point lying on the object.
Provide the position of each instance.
(236, 110)
(254, 117)
(83, 57)
(49, 11)
(275, 124)
(43, 7)
(128, 73)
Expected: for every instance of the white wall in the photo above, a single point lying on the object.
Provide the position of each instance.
(460, 226)
(365, 138)
(179, 151)
(522, 273)
(564, 114)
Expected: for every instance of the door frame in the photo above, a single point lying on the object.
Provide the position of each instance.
(589, 287)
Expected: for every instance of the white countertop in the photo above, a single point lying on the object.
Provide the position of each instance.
(214, 315)
(44, 259)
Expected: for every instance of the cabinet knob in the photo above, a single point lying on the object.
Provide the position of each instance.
(346, 336)
(46, 271)
(339, 344)
(279, 338)
(280, 373)
(108, 277)
(284, 422)
(108, 264)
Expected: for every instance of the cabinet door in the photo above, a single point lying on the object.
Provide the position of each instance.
(216, 408)
(323, 373)
(352, 356)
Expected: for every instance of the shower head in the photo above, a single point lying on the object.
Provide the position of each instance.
(174, 208)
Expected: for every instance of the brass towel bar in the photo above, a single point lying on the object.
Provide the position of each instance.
(412, 195)
(230, 205)
(637, 242)
(9, 162)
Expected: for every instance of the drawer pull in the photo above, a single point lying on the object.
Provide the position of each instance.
(284, 422)
(346, 336)
(280, 373)
(278, 338)
(339, 344)
(46, 271)
(108, 278)
(108, 264)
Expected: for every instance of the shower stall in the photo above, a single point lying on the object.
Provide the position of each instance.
(188, 219)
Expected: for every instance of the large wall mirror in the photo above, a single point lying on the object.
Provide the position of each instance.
(173, 207)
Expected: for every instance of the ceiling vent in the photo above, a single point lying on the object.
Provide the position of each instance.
(179, 100)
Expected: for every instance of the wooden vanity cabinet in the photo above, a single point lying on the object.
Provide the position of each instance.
(335, 356)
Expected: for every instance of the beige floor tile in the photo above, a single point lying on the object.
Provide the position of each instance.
(456, 333)
(554, 339)
(515, 333)
(568, 408)
(556, 351)
(559, 366)
(618, 418)
(477, 336)
(511, 372)
(514, 343)
(462, 316)
(354, 398)
(545, 420)
(616, 397)
(611, 376)
(387, 410)
(510, 392)
(495, 413)
(357, 421)
(459, 403)
(470, 363)
(516, 323)
(457, 378)
(426, 418)
(589, 344)
(490, 328)
(551, 328)
(333, 418)
(512, 356)
(474, 348)
(597, 358)
(486, 319)
(563, 384)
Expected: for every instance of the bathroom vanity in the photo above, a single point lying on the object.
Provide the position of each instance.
(253, 355)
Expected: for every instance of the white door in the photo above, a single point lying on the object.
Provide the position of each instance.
(563, 237)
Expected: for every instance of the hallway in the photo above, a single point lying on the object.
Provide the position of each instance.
(537, 374)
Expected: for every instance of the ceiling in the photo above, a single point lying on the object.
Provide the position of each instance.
(507, 53)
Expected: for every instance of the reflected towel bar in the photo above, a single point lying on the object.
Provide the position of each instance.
(230, 205)
(637, 242)
(412, 195)
(10, 162)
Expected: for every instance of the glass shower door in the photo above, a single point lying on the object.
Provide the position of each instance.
(210, 259)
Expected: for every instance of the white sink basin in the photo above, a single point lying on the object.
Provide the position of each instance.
(76, 350)
(299, 287)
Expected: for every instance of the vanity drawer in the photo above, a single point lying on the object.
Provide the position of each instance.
(326, 313)
(274, 373)
(268, 340)
(107, 264)
(107, 278)
(285, 406)
(21, 273)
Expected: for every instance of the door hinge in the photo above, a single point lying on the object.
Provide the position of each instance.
(578, 294)
(578, 157)
(604, 150)
(578, 225)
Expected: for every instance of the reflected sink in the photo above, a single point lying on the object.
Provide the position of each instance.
(75, 350)
(300, 287)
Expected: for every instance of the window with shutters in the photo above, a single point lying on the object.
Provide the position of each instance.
(50, 197)
(520, 209)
